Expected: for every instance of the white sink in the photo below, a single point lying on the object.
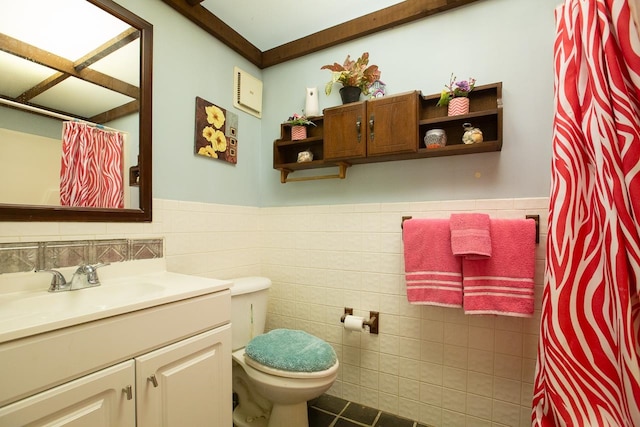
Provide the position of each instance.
(28, 308)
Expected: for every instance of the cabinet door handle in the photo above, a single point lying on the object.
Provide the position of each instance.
(128, 391)
(358, 127)
(371, 127)
(152, 379)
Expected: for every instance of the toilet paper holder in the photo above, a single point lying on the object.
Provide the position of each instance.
(372, 323)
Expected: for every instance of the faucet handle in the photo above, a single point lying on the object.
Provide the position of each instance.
(90, 271)
(58, 282)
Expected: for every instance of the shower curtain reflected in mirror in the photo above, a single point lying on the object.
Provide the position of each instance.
(91, 172)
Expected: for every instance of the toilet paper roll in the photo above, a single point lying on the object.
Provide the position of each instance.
(353, 323)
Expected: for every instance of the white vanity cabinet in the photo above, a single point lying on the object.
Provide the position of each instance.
(187, 383)
(166, 365)
(98, 400)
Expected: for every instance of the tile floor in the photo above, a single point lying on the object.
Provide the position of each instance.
(329, 411)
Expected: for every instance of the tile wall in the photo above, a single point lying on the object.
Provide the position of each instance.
(430, 364)
(204, 239)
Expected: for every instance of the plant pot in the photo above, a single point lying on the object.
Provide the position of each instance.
(298, 133)
(458, 106)
(350, 94)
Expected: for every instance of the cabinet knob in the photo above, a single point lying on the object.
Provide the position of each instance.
(358, 127)
(128, 391)
(152, 379)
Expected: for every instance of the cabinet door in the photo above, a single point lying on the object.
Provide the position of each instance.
(345, 132)
(392, 124)
(102, 399)
(187, 383)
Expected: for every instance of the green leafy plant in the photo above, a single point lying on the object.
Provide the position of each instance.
(455, 89)
(299, 120)
(353, 73)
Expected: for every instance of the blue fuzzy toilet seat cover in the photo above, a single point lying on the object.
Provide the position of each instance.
(291, 350)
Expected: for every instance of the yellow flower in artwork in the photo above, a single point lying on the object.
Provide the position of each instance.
(208, 132)
(208, 151)
(215, 116)
(219, 141)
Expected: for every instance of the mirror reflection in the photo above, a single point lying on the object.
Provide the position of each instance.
(70, 100)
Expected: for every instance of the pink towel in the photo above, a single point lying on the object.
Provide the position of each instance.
(503, 284)
(471, 235)
(433, 274)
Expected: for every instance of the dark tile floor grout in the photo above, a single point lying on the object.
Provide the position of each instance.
(330, 411)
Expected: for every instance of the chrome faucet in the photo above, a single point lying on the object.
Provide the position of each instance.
(85, 276)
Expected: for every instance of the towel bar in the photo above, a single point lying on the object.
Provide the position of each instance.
(404, 218)
(536, 218)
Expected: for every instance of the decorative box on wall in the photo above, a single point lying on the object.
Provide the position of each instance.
(387, 129)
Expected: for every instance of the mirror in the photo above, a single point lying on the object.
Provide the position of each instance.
(101, 85)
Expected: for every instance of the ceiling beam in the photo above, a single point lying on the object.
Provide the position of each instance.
(48, 59)
(107, 48)
(117, 112)
(217, 28)
(401, 13)
(87, 60)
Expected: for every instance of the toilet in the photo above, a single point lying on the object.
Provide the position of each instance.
(274, 374)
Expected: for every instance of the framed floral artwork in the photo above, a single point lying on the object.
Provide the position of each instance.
(216, 134)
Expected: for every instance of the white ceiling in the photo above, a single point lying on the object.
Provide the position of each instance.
(270, 23)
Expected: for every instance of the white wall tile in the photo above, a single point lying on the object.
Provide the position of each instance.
(433, 364)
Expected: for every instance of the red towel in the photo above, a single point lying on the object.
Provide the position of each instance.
(471, 235)
(433, 274)
(503, 284)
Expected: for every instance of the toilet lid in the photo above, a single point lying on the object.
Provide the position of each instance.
(291, 350)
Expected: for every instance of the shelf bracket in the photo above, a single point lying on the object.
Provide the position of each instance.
(342, 174)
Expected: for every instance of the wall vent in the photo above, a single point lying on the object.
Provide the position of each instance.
(247, 92)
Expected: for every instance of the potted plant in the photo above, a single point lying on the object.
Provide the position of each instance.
(352, 74)
(299, 125)
(456, 96)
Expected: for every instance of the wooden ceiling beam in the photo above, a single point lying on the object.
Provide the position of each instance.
(92, 57)
(115, 113)
(48, 59)
(107, 48)
(217, 28)
(401, 13)
(392, 16)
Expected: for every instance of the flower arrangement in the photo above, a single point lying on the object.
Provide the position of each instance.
(299, 120)
(455, 89)
(353, 73)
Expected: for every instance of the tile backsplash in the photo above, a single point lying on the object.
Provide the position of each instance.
(28, 256)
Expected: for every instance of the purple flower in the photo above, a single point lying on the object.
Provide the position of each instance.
(463, 85)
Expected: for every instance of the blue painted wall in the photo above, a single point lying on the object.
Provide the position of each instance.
(492, 40)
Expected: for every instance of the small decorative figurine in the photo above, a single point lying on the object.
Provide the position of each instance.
(305, 156)
(471, 135)
(377, 89)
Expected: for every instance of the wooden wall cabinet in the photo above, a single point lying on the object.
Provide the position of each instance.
(377, 127)
(387, 129)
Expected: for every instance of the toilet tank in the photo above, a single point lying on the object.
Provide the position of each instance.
(248, 309)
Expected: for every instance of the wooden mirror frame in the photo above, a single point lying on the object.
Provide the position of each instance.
(14, 212)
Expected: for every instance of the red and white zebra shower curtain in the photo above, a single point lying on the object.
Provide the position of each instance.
(588, 371)
(91, 173)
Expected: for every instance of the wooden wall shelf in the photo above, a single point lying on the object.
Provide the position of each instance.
(400, 123)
